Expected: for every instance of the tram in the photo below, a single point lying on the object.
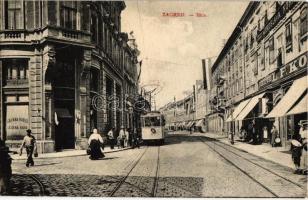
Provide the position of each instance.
(152, 127)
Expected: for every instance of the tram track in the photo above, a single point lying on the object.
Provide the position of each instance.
(42, 189)
(152, 191)
(41, 185)
(248, 160)
(122, 180)
(253, 177)
(156, 178)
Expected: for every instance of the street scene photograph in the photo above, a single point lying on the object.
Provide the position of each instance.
(153, 98)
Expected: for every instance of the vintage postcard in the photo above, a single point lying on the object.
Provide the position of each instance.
(161, 98)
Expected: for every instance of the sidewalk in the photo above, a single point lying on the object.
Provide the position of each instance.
(65, 153)
(266, 151)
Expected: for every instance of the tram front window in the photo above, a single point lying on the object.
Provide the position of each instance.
(151, 121)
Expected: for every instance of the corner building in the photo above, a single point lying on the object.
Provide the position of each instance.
(264, 64)
(64, 69)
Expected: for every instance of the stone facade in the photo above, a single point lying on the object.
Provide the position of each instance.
(55, 59)
(262, 55)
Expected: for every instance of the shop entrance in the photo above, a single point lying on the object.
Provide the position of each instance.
(64, 104)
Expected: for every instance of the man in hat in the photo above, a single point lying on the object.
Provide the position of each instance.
(29, 143)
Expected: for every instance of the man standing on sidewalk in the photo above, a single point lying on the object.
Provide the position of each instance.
(29, 143)
(111, 138)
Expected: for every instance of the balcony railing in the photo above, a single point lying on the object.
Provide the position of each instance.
(46, 32)
(16, 82)
(15, 35)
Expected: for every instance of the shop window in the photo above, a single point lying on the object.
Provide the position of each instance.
(303, 24)
(16, 118)
(13, 14)
(289, 37)
(69, 14)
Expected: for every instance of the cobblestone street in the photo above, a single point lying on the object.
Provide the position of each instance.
(209, 169)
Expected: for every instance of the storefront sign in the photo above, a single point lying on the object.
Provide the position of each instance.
(275, 19)
(296, 64)
(16, 121)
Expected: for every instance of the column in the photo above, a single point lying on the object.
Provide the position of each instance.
(36, 95)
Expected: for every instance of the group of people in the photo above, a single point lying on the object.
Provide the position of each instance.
(252, 134)
(124, 139)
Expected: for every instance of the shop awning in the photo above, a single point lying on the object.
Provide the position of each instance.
(248, 108)
(199, 122)
(301, 107)
(297, 89)
(63, 113)
(237, 110)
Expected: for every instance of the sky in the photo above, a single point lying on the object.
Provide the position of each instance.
(172, 47)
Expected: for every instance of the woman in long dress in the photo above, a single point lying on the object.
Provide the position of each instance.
(95, 143)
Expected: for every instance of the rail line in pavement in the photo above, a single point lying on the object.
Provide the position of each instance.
(155, 184)
(122, 180)
(156, 177)
(220, 149)
(271, 171)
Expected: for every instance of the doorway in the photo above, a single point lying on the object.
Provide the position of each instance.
(64, 104)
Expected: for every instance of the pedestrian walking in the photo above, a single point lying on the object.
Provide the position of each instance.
(122, 136)
(29, 142)
(265, 134)
(192, 129)
(136, 139)
(274, 133)
(111, 137)
(296, 150)
(5, 168)
(252, 132)
(95, 144)
(126, 139)
(243, 133)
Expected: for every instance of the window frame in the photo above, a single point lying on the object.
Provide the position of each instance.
(71, 11)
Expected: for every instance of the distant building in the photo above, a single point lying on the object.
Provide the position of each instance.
(65, 68)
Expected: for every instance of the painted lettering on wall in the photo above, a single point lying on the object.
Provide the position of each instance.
(17, 121)
(293, 66)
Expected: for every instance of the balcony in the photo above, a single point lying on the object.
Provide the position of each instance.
(12, 35)
(49, 32)
(16, 82)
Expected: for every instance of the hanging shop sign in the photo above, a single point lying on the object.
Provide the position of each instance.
(295, 65)
(275, 19)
